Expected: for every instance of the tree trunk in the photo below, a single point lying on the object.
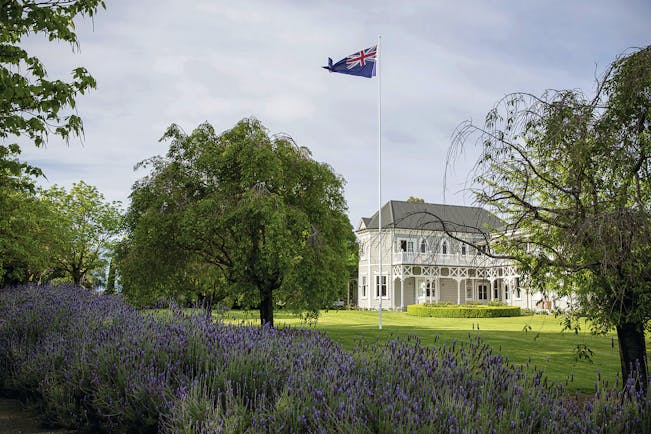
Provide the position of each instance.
(632, 353)
(77, 276)
(266, 306)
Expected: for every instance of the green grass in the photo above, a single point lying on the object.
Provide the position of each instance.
(545, 345)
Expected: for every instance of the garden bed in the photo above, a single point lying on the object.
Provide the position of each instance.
(93, 363)
(462, 310)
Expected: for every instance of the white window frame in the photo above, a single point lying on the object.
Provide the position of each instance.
(445, 248)
(485, 289)
(427, 287)
(385, 288)
(423, 247)
(364, 286)
(408, 242)
(464, 249)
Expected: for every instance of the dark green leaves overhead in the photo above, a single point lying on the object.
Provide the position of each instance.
(31, 105)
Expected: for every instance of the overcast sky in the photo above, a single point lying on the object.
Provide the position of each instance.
(159, 62)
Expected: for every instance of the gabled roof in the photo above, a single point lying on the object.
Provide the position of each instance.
(434, 217)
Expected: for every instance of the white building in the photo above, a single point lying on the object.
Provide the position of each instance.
(423, 263)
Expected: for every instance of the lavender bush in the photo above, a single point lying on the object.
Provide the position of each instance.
(96, 363)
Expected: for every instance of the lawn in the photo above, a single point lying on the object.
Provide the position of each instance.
(544, 344)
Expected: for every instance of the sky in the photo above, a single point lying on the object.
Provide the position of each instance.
(159, 62)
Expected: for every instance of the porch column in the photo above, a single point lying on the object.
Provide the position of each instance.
(402, 292)
(431, 289)
(458, 291)
(437, 288)
(492, 289)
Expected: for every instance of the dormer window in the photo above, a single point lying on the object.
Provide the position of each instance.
(423, 246)
(444, 247)
(464, 249)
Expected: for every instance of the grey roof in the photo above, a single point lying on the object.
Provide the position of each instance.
(432, 216)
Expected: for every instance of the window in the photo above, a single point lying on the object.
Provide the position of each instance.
(364, 283)
(383, 285)
(406, 246)
(361, 250)
(482, 292)
(423, 246)
(463, 249)
(444, 247)
(518, 292)
(506, 291)
(427, 289)
(496, 292)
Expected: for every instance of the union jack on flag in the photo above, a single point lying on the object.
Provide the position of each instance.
(361, 63)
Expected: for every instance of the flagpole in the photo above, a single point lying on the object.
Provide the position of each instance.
(378, 65)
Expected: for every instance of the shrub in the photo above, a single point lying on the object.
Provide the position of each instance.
(462, 311)
(99, 365)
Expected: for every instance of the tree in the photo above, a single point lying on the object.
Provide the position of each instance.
(571, 177)
(32, 105)
(413, 199)
(86, 227)
(254, 212)
(24, 221)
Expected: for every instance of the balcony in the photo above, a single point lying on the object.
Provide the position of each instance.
(450, 260)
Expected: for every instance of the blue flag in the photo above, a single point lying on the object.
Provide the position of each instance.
(361, 63)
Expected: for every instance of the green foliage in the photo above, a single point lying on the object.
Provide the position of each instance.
(33, 106)
(24, 221)
(30, 104)
(86, 228)
(462, 311)
(571, 176)
(248, 216)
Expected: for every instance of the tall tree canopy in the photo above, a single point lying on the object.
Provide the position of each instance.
(32, 106)
(254, 215)
(86, 227)
(24, 221)
(571, 176)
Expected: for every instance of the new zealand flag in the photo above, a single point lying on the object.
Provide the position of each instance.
(361, 63)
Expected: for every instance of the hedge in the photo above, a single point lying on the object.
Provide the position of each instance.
(462, 311)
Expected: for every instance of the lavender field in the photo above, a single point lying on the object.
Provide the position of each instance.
(96, 363)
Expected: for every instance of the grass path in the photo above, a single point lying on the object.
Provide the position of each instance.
(544, 344)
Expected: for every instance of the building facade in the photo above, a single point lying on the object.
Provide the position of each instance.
(424, 259)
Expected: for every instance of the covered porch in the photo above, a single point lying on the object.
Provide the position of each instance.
(456, 285)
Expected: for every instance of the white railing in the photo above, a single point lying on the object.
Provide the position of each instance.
(455, 259)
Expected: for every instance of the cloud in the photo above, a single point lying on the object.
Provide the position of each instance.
(164, 61)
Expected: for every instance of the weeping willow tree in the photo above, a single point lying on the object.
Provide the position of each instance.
(570, 174)
(249, 213)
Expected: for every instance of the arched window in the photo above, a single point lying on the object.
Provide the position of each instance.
(444, 247)
(423, 246)
(463, 249)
